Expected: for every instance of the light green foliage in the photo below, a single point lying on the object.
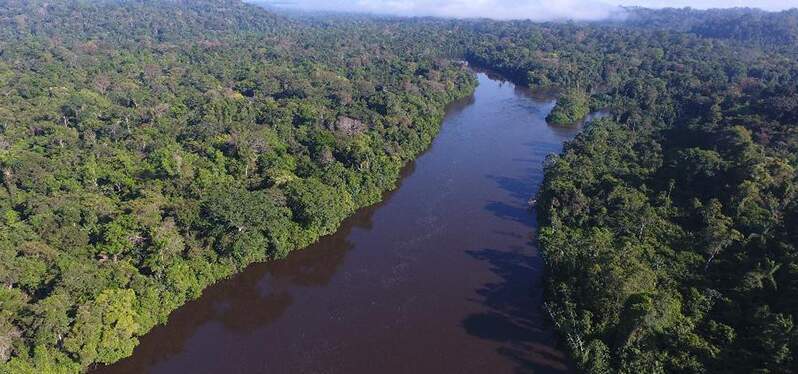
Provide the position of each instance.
(44, 360)
(571, 108)
(104, 330)
(149, 149)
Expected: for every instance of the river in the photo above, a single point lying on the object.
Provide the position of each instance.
(441, 277)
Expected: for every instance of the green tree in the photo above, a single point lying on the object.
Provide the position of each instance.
(105, 330)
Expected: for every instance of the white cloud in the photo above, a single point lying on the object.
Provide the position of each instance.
(516, 9)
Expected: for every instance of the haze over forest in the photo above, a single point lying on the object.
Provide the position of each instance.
(538, 10)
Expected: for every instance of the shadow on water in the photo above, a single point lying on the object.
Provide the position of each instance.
(244, 302)
(274, 305)
(520, 189)
(542, 149)
(514, 318)
(510, 212)
(458, 106)
(254, 298)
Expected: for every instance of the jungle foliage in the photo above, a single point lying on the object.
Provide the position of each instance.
(669, 229)
(571, 108)
(151, 148)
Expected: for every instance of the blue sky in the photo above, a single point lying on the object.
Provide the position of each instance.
(515, 9)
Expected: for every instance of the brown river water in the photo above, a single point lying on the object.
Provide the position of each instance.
(441, 277)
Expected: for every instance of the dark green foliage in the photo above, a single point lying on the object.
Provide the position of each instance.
(668, 229)
(778, 30)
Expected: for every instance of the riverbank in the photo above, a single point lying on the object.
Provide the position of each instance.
(441, 276)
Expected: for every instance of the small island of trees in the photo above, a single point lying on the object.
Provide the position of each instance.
(571, 108)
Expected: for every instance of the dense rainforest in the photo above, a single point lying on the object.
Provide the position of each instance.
(151, 148)
(669, 229)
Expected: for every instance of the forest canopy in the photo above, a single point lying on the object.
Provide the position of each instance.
(571, 108)
(669, 228)
(151, 148)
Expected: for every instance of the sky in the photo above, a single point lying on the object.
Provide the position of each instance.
(518, 9)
